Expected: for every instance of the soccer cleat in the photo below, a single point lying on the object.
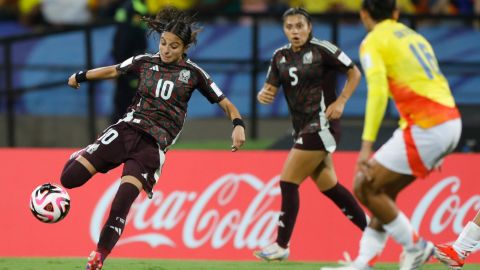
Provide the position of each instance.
(273, 252)
(95, 261)
(448, 256)
(413, 259)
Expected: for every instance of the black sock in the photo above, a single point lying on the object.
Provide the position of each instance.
(347, 203)
(74, 174)
(113, 228)
(288, 216)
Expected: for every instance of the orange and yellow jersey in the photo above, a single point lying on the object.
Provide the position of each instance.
(400, 63)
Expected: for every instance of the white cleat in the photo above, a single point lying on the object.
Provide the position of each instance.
(272, 252)
(415, 258)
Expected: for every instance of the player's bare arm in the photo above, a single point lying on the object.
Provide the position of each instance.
(335, 110)
(267, 94)
(238, 133)
(101, 73)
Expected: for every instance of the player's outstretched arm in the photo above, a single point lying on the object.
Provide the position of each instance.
(267, 94)
(238, 133)
(335, 110)
(101, 73)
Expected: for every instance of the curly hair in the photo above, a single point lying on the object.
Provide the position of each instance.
(171, 19)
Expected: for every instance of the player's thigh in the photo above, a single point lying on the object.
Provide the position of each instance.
(108, 151)
(300, 164)
(324, 176)
(145, 163)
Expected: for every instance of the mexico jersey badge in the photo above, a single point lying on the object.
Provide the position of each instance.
(184, 75)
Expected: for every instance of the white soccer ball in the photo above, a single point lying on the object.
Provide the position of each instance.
(49, 203)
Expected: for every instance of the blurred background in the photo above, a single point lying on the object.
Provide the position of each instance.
(42, 42)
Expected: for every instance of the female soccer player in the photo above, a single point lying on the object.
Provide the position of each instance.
(400, 63)
(152, 124)
(306, 69)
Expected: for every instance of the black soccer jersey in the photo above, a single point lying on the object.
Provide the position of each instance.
(308, 81)
(160, 104)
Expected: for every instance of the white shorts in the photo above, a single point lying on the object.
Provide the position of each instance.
(417, 151)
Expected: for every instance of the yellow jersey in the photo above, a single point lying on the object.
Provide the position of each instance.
(400, 63)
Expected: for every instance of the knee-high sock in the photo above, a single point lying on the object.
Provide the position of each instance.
(371, 246)
(113, 228)
(402, 231)
(289, 211)
(74, 174)
(347, 203)
(468, 239)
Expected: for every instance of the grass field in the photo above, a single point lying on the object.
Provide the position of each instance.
(222, 144)
(149, 264)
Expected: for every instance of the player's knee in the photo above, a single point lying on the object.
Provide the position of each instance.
(358, 188)
(74, 175)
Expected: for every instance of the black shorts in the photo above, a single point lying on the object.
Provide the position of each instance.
(323, 140)
(122, 143)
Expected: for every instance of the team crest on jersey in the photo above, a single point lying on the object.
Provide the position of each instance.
(184, 76)
(308, 58)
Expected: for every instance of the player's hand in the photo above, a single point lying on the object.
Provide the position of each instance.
(335, 110)
(238, 137)
(265, 96)
(72, 82)
(363, 166)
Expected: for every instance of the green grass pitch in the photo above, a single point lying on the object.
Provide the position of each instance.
(151, 264)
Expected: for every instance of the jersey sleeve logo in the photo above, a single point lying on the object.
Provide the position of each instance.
(154, 68)
(283, 60)
(308, 58)
(184, 76)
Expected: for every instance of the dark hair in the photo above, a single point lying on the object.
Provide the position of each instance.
(380, 10)
(171, 19)
(298, 11)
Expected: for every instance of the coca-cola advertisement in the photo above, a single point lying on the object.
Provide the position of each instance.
(219, 205)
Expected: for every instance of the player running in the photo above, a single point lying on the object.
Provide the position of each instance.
(400, 63)
(152, 124)
(306, 69)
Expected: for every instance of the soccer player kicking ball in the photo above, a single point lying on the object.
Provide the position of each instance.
(400, 63)
(454, 255)
(152, 124)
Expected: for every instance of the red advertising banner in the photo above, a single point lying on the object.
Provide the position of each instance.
(218, 205)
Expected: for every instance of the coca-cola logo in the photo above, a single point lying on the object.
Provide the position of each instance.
(238, 210)
(213, 217)
(451, 211)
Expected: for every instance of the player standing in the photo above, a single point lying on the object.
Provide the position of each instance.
(400, 63)
(306, 69)
(152, 124)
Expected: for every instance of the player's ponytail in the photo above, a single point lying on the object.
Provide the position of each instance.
(171, 19)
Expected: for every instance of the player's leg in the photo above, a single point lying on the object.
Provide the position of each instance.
(299, 165)
(453, 255)
(326, 180)
(101, 156)
(127, 192)
(76, 172)
(396, 224)
(141, 170)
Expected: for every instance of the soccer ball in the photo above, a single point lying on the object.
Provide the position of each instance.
(49, 203)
